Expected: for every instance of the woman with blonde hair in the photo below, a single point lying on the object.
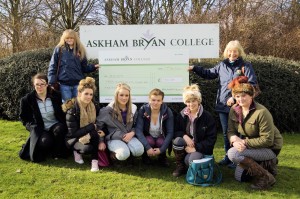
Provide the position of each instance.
(231, 67)
(82, 134)
(195, 131)
(119, 118)
(68, 63)
(255, 139)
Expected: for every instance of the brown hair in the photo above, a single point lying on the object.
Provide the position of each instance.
(240, 85)
(88, 82)
(40, 76)
(156, 92)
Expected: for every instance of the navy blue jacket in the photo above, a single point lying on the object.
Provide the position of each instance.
(225, 72)
(166, 124)
(71, 68)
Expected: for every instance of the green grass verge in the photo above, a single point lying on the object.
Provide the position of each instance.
(66, 179)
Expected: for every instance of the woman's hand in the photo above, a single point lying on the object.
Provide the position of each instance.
(101, 146)
(97, 66)
(128, 136)
(190, 149)
(230, 101)
(235, 138)
(240, 146)
(190, 68)
(150, 152)
(156, 151)
(189, 142)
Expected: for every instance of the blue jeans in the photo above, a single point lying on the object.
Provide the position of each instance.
(68, 92)
(224, 124)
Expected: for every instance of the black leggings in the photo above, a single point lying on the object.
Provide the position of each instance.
(53, 141)
(90, 148)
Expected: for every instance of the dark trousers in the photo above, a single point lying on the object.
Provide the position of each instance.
(53, 141)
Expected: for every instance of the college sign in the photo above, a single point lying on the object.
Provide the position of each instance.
(201, 40)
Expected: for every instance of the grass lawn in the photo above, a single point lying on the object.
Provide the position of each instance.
(66, 179)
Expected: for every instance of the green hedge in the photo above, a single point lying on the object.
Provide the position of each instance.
(278, 78)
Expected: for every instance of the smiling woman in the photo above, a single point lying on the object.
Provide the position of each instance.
(42, 115)
(119, 118)
(81, 113)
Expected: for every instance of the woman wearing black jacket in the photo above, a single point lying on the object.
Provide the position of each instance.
(81, 113)
(42, 115)
(195, 131)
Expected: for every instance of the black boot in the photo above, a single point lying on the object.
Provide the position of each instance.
(146, 159)
(180, 165)
(162, 159)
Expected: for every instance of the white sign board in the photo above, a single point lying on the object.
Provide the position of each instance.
(144, 71)
(202, 40)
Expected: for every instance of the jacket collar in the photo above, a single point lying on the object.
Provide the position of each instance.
(239, 113)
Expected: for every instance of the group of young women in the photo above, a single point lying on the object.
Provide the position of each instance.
(70, 121)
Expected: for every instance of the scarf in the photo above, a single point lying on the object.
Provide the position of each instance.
(87, 116)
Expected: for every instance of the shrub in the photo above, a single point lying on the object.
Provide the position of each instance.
(278, 79)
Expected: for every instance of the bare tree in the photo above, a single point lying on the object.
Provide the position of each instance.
(15, 15)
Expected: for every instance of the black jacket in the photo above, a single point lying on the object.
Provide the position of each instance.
(71, 107)
(31, 118)
(205, 135)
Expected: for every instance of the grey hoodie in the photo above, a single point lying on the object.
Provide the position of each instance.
(116, 129)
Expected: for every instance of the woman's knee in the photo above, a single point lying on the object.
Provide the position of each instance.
(233, 155)
(45, 141)
(179, 141)
(120, 148)
(136, 147)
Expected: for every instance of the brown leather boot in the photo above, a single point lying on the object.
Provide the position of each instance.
(270, 165)
(262, 178)
(180, 166)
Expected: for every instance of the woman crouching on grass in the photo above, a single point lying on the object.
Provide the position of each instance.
(82, 136)
(41, 113)
(119, 117)
(195, 131)
(255, 139)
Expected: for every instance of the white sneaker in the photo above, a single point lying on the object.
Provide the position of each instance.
(78, 157)
(95, 166)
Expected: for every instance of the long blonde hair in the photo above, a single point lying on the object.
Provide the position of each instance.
(116, 106)
(79, 48)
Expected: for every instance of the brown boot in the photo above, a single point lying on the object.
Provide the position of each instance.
(180, 166)
(262, 178)
(270, 165)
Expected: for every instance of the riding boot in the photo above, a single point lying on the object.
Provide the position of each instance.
(270, 165)
(262, 178)
(180, 165)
